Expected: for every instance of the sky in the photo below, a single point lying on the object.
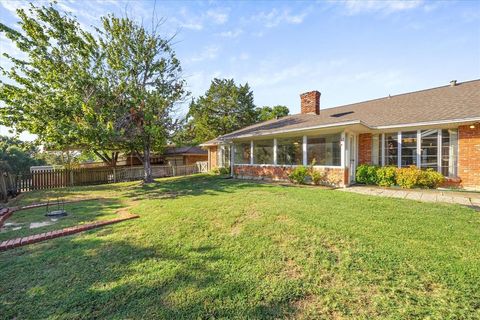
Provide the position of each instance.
(350, 51)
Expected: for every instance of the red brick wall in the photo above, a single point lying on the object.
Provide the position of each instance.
(333, 176)
(469, 156)
(310, 102)
(212, 151)
(365, 148)
(192, 159)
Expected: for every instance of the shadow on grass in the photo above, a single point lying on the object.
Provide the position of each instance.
(195, 185)
(95, 277)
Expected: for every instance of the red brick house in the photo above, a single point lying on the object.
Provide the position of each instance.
(434, 128)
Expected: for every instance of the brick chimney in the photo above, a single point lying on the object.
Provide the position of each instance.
(310, 102)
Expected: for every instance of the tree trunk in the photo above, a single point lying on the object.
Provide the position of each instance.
(147, 168)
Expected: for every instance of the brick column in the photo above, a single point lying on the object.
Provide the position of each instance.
(469, 156)
(365, 148)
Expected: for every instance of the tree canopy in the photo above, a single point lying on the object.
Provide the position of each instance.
(109, 91)
(225, 107)
(17, 156)
(268, 113)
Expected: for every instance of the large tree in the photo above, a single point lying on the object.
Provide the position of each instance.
(111, 91)
(268, 113)
(224, 108)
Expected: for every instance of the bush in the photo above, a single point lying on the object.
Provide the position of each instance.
(219, 171)
(298, 175)
(386, 176)
(430, 179)
(366, 174)
(408, 177)
(316, 176)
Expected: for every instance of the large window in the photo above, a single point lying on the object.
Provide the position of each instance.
(324, 150)
(242, 153)
(263, 152)
(223, 156)
(429, 149)
(289, 151)
(391, 149)
(449, 152)
(409, 148)
(437, 149)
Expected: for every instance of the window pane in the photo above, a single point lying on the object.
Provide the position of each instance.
(429, 149)
(376, 149)
(391, 149)
(409, 148)
(263, 152)
(449, 153)
(325, 150)
(242, 153)
(289, 151)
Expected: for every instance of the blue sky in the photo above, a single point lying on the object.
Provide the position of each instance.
(348, 50)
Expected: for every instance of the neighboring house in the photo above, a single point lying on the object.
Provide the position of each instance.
(174, 156)
(436, 128)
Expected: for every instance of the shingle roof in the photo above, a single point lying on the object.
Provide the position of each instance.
(184, 150)
(445, 103)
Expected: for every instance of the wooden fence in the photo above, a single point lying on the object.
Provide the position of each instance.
(10, 185)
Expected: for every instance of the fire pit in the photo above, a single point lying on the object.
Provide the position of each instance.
(60, 209)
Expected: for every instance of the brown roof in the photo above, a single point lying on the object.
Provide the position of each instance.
(184, 151)
(461, 101)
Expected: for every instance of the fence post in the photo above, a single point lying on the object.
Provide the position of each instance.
(71, 178)
(114, 175)
(174, 171)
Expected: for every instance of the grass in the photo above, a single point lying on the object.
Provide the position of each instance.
(206, 247)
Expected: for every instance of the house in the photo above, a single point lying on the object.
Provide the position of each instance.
(174, 156)
(435, 128)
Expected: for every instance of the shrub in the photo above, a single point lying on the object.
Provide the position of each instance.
(221, 170)
(386, 176)
(430, 179)
(408, 177)
(316, 176)
(298, 175)
(366, 174)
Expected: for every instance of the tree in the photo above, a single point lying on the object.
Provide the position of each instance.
(224, 108)
(106, 92)
(17, 156)
(269, 113)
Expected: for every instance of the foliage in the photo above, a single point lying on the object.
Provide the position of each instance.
(114, 90)
(224, 108)
(17, 156)
(408, 177)
(237, 249)
(367, 174)
(315, 176)
(68, 159)
(386, 176)
(268, 113)
(220, 170)
(430, 179)
(299, 175)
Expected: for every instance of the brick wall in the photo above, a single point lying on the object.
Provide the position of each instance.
(365, 148)
(469, 156)
(310, 102)
(333, 176)
(192, 159)
(212, 151)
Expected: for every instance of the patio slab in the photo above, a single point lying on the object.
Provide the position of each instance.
(440, 196)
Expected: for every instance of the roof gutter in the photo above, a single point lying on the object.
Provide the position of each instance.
(427, 123)
(331, 125)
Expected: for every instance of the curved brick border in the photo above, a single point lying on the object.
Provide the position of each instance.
(18, 242)
(5, 213)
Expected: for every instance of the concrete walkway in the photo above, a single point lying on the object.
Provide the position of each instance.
(463, 198)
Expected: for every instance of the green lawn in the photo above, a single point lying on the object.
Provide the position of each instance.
(206, 247)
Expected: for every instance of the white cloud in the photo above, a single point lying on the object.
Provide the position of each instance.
(385, 7)
(276, 17)
(208, 53)
(218, 16)
(231, 33)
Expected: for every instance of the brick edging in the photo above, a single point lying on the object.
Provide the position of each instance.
(5, 213)
(18, 242)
